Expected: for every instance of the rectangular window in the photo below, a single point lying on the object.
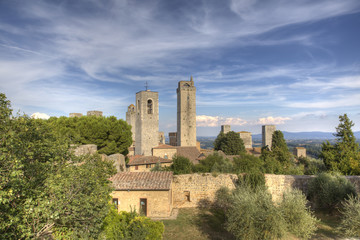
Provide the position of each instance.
(148, 165)
(136, 167)
(115, 202)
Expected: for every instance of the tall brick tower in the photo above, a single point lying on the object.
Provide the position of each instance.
(186, 113)
(267, 132)
(147, 122)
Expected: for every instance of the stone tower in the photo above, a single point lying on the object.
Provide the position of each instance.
(186, 113)
(267, 132)
(147, 122)
(247, 138)
(131, 119)
(225, 129)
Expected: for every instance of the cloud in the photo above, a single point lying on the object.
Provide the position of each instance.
(273, 120)
(38, 115)
(215, 121)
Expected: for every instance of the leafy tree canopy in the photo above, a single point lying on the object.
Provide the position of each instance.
(230, 143)
(111, 135)
(181, 165)
(344, 156)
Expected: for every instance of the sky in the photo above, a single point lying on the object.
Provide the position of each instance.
(295, 64)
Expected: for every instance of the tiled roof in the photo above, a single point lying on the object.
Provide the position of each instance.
(300, 148)
(192, 153)
(141, 160)
(142, 180)
(164, 146)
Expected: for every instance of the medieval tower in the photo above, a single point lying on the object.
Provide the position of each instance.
(147, 122)
(267, 132)
(186, 113)
(131, 120)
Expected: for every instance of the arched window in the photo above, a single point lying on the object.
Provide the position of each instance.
(149, 106)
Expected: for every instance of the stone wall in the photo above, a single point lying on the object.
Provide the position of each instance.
(85, 149)
(167, 153)
(189, 190)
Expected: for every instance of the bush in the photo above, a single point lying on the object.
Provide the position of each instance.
(326, 191)
(299, 219)
(129, 225)
(254, 216)
(254, 180)
(247, 163)
(181, 165)
(350, 220)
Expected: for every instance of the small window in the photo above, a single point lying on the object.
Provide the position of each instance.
(115, 202)
(187, 195)
(166, 156)
(136, 167)
(148, 165)
(149, 106)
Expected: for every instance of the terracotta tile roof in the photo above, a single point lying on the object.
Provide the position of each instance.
(142, 180)
(141, 160)
(164, 146)
(192, 153)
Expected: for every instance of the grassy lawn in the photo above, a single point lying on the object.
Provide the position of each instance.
(193, 223)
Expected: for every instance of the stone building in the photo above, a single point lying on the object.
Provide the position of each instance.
(147, 122)
(164, 151)
(173, 138)
(75, 115)
(148, 193)
(140, 163)
(161, 138)
(267, 132)
(131, 119)
(94, 113)
(186, 113)
(300, 152)
(225, 129)
(247, 138)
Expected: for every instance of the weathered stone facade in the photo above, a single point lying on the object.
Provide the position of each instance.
(85, 149)
(147, 122)
(75, 115)
(267, 132)
(300, 152)
(94, 113)
(247, 138)
(164, 151)
(186, 113)
(225, 129)
(161, 138)
(173, 138)
(131, 119)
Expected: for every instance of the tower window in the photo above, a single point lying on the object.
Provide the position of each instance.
(149, 106)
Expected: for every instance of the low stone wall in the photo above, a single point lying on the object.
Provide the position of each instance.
(192, 190)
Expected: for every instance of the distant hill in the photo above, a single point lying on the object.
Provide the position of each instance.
(308, 135)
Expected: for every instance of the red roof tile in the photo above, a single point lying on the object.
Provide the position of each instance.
(142, 180)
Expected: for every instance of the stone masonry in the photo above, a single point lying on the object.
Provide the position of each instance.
(147, 122)
(267, 132)
(225, 129)
(131, 120)
(186, 113)
(94, 113)
(247, 138)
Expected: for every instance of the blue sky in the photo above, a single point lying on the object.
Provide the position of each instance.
(294, 63)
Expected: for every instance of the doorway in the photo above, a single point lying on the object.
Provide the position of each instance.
(143, 207)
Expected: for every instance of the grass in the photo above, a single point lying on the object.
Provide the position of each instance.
(204, 224)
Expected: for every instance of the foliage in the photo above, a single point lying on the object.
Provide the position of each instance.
(230, 143)
(247, 163)
(350, 220)
(344, 156)
(299, 219)
(108, 133)
(312, 166)
(327, 190)
(253, 180)
(43, 189)
(254, 216)
(181, 165)
(214, 163)
(280, 150)
(129, 225)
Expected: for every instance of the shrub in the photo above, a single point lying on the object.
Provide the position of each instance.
(299, 219)
(327, 191)
(181, 165)
(254, 179)
(247, 163)
(129, 225)
(254, 216)
(350, 221)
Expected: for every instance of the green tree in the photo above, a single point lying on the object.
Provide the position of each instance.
(111, 135)
(280, 150)
(344, 156)
(230, 143)
(181, 165)
(45, 190)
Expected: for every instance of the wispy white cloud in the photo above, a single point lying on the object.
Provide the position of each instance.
(273, 120)
(215, 121)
